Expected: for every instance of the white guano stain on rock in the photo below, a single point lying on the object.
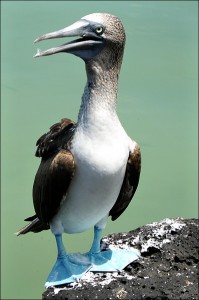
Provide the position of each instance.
(163, 231)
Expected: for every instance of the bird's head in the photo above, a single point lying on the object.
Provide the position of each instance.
(98, 34)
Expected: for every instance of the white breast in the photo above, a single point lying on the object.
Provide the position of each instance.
(100, 158)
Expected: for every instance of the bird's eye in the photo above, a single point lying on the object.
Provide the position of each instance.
(99, 30)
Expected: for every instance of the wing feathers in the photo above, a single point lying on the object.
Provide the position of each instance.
(56, 138)
(53, 176)
(51, 184)
(129, 185)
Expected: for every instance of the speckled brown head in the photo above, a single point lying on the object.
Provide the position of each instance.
(113, 33)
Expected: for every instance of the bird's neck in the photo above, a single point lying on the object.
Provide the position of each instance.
(100, 94)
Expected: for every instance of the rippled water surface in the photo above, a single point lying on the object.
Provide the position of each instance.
(157, 104)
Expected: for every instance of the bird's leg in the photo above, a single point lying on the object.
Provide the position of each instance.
(100, 259)
(95, 248)
(60, 247)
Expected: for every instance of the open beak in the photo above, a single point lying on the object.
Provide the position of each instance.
(87, 46)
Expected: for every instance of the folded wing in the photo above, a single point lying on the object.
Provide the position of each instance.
(129, 185)
(54, 175)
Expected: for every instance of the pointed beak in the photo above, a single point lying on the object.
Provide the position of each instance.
(88, 45)
(75, 29)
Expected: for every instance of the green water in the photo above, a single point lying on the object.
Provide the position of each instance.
(157, 105)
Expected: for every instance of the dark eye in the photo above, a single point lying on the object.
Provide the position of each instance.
(99, 30)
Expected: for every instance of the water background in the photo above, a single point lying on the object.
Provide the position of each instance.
(157, 105)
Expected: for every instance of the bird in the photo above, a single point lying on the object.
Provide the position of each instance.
(89, 169)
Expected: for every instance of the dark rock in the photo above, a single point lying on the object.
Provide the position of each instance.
(167, 268)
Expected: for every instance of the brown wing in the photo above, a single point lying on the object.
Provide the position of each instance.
(129, 185)
(55, 139)
(51, 184)
(53, 176)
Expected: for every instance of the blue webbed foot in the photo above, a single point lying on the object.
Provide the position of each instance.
(68, 268)
(109, 260)
(66, 271)
(112, 260)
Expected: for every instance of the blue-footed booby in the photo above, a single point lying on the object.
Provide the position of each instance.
(89, 170)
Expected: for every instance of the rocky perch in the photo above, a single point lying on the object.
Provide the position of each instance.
(166, 269)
